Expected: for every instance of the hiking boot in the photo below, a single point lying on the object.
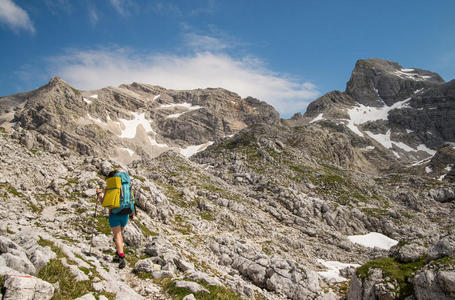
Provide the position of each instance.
(122, 263)
(116, 259)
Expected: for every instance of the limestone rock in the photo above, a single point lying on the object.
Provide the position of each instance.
(147, 265)
(191, 286)
(431, 284)
(27, 288)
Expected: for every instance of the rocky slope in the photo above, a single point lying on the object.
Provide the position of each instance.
(270, 209)
(104, 122)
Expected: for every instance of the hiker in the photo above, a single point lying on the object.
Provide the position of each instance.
(118, 183)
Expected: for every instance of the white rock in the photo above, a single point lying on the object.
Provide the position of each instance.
(192, 286)
(27, 288)
(88, 296)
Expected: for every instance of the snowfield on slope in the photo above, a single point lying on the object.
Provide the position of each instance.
(373, 239)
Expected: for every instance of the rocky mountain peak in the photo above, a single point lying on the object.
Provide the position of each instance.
(375, 82)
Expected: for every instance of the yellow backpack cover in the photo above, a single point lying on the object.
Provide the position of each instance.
(112, 196)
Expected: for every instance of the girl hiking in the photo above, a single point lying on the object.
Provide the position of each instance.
(118, 190)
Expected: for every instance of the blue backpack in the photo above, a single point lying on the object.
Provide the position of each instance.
(127, 199)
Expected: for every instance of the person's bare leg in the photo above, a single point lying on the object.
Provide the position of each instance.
(117, 232)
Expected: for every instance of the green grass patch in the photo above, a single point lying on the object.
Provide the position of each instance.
(444, 262)
(102, 225)
(375, 212)
(55, 271)
(181, 225)
(206, 215)
(10, 189)
(216, 292)
(145, 230)
(141, 179)
(8, 230)
(400, 272)
(70, 181)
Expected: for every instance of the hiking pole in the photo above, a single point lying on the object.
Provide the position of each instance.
(91, 238)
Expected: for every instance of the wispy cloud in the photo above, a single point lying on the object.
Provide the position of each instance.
(92, 15)
(165, 8)
(123, 7)
(55, 6)
(201, 42)
(15, 17)
(208, 10)
(248, 77)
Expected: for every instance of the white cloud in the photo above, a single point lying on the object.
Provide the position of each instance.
(93, 15)
(123, 7)
(204, 42)
(14, 16)
(247, 77)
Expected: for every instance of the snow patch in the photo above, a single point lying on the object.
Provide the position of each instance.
(409, 74)
(422, 147)
(396, 154)
(94, 96)
(191, 150)
(428, 169)
(372, 240)
(361, 114)
(174, 116)
(131, 125)
(334, 268)
(184, 105)
(408, 131)
(421, 162)
(87, 101)
(156, 97)
(385, 140)
(318, 118)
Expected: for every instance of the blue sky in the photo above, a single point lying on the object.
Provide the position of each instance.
(287, 53)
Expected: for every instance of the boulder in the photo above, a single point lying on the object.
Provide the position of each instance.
(191, 286)
(88, 296)
(200, 276)
(189, 297)
(27, 288)
(147, 265)
(410, 252)
(183, 265)
(132, 235)
(444, 247)
(431, 284)
(19, 263)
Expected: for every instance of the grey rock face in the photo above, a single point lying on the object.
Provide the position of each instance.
(27, 288)
(431, 284)
(330, 104)
(444, 247)
(371, 288)
(132, 235)
(147, 265)
(431, 115)
(375, 82)
(411, 252)
(190, 285)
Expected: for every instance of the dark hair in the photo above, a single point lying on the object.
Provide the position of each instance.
(112, 173)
